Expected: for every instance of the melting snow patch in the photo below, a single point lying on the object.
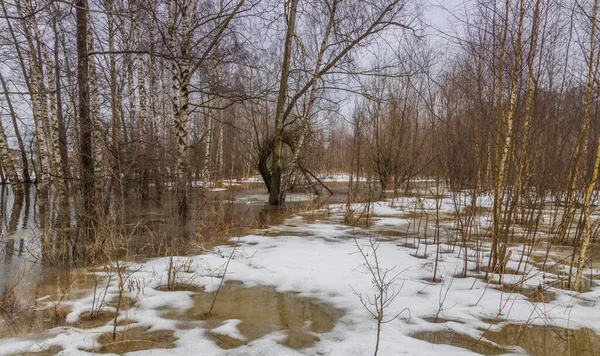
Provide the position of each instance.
(229, 328)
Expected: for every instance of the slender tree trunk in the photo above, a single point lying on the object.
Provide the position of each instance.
(73, 97)
(85, 122)
(221, 148)
(142, 124)
(500, 122)
(115, 105)
(208, 127)
(508, 135)
(98, 130)
(529, 102)
(587, 223)
(179, 93)
(39, 115)
(62, 133)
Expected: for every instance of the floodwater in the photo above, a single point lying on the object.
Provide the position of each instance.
(534, 340)
(449, 337)
(257, 311)
(36, 270)
(134, 339)
(36, 236)
(36, 274)
(548, 340)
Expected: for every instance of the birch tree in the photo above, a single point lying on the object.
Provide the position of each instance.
(38, 94)
(188, 54)
(594, 59)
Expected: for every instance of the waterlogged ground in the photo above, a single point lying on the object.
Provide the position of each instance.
(294, 287)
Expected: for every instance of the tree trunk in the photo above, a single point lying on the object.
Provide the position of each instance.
(180, 73)
(276, 165)
(208, 128)
(94, 94)
(85, 122)
(587, 223)
(142, 125)
(500, 252)
(62, 134)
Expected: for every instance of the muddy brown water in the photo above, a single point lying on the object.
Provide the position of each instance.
(565, 255)
(260, 311)
(547, 340)
(134, 339)
(35, 271)
(534, 294)
(450, 337)
(511, 338)
(33, 230)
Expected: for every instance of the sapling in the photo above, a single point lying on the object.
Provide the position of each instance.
(214, 300)
(383, 279)
(442, 299)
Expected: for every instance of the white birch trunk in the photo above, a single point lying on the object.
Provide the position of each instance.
(38, 99)
(98, 132)
(52, 134)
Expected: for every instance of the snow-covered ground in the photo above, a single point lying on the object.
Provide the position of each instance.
(320, 260)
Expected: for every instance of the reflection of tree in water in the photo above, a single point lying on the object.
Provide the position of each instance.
(3, 203)
(47, 227)
(15, 216)
(548, 340)
(27, 194)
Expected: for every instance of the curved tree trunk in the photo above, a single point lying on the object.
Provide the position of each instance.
(276, 164)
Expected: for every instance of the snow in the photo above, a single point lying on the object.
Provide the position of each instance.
(340, 177)
(229, 328)
(262, 198)
(324, 264)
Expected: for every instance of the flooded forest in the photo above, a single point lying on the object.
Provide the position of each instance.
(300, 177)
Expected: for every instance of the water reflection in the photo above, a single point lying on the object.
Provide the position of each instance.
(450, 337)
(547, 340)
(256, 312)
(39, 235)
